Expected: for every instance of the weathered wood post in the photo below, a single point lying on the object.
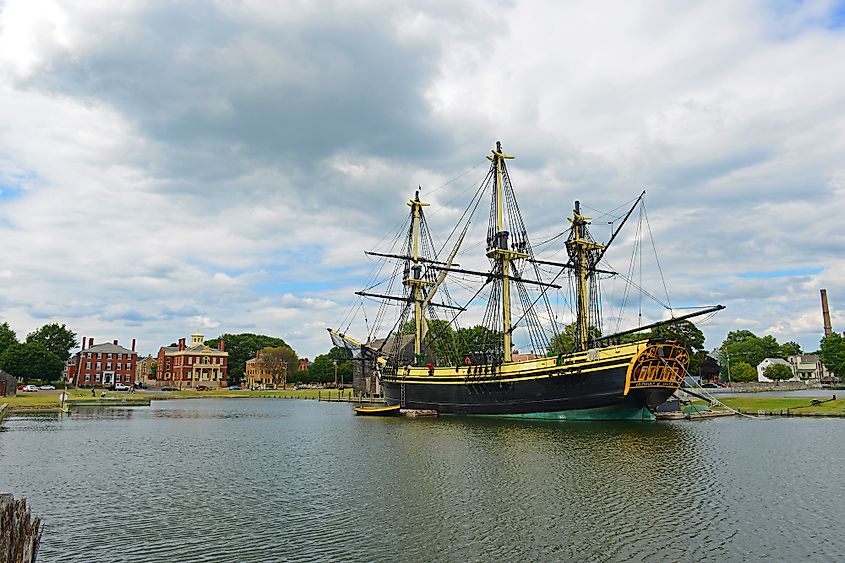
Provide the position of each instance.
(20, 532)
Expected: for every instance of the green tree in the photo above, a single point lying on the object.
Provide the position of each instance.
(7, 336)
(790, 349)
(31, 361)
(438, 337)
(56, 338)
(323, 368)
(745, 346)
(564, 343)
(687, 335)
(477, 340)
(832, 353)
(278, 362)
(778, 372)
(683, 332)
(242, 347)
(743, 372)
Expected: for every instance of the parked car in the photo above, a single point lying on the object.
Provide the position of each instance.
(30, 388)
(203, 388)
(710, 386)
(140, 385)
(234, 387)
(121, 387)
(169, 389)
(47, 388)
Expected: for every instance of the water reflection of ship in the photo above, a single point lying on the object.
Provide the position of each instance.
(600, 378)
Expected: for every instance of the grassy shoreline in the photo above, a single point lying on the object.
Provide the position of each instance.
(48, 401)
(786, 406)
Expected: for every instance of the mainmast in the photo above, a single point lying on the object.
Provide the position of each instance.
(498, 250)
(583, 254)
(414, 278)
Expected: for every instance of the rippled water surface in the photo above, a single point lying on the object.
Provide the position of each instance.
(276, 480)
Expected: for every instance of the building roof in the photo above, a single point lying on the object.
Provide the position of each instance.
(197, 348)
(108, 348)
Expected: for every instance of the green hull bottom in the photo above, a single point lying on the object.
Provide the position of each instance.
(602, 413)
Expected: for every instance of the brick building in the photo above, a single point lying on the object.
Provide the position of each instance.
(190, 366)
(144, 370)
(258, 376)
(102, 364)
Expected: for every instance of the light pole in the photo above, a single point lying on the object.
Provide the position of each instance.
(334, 363)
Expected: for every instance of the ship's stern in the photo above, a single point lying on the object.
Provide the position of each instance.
(656, 372)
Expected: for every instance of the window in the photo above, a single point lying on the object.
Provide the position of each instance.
(97, 378)
(126, 379)
(99, 355)
(99, 365)
(87, 365)
(87, 377)
(108, 365)
(119, 365)
(87, 354)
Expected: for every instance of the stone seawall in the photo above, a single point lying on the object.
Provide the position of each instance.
(757, 386)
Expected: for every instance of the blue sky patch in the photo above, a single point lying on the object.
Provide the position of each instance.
(837, 16)
(8, 191)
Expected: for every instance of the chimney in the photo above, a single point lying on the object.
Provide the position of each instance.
(133, 344)
(115, 342)
(221, 345)
(84, 340)
(90, 341)
(181, 344)
(826, 314)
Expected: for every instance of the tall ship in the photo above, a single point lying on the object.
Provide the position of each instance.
(573, 372)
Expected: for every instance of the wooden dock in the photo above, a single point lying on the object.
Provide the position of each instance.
(109, 402)
(341, 397)
(20, 532)
(677, 415)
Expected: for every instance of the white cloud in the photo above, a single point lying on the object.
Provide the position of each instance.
(154, 179)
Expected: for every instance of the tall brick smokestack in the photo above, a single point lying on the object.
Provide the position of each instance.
(133, 344)
(826, 314)
(221, 345)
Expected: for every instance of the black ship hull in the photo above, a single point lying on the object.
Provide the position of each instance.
(599, 393)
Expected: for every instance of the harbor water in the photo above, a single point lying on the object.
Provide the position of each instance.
(285, 480)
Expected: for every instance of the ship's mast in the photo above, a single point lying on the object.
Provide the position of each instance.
(500, 251)
(582, 250)
(415, 281)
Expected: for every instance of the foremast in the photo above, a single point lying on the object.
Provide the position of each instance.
(414, 277)
(499, 252)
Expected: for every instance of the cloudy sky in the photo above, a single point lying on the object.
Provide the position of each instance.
(168, 166)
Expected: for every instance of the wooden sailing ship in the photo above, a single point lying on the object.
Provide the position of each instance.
(596, 379)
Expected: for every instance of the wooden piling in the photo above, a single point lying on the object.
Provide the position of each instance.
(20, 532)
